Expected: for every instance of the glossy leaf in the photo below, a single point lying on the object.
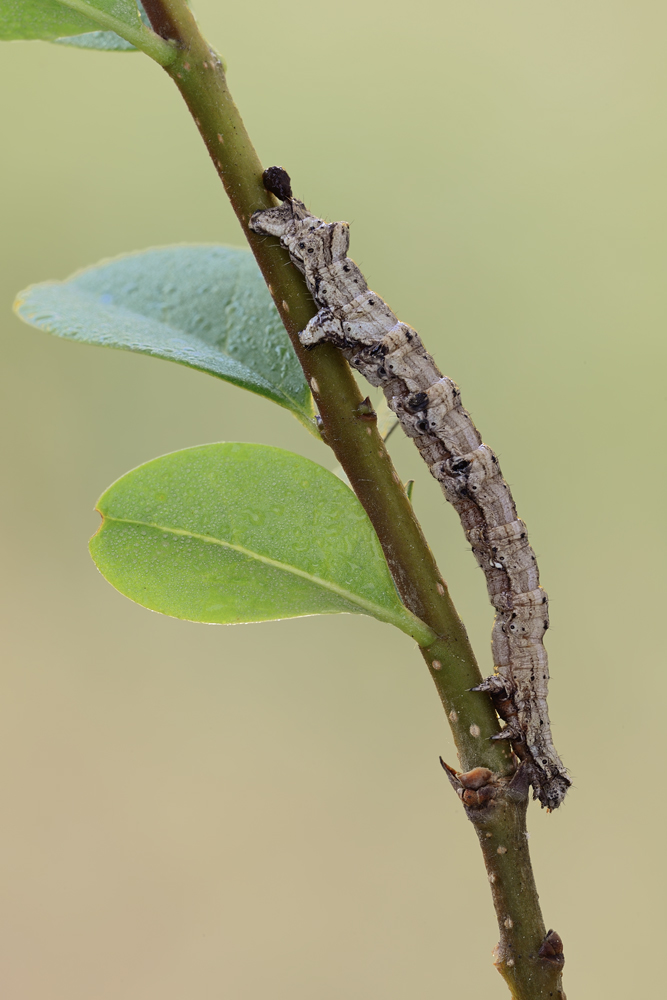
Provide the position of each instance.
(104, 41)
(243, 533)
(48, 19)
(202, 306)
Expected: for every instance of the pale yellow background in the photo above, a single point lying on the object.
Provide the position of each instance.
(258, 813)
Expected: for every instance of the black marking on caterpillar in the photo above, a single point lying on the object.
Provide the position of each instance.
(390, 354)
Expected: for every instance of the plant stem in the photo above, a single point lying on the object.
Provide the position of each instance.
(199, 76)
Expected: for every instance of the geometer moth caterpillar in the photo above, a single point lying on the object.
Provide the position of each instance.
(390, 354)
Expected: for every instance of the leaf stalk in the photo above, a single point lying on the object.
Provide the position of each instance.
(147, 41)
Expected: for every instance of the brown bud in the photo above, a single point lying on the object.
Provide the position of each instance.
(551, 949)
(476, 778)
(474, 798)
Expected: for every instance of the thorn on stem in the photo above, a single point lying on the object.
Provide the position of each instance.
(366, 412)
(451, 773)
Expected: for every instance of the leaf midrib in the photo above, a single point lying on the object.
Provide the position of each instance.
(402, 618)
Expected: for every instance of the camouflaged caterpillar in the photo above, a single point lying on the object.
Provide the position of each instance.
(390, 354)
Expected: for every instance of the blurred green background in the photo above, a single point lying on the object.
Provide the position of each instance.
(258, 811)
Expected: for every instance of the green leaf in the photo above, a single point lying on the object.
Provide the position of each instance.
(229, 533)
(202, 306)
(101, 21)
(49, 19)
(104, 41)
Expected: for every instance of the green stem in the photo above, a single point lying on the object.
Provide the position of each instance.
(199, 76)
(504, 842)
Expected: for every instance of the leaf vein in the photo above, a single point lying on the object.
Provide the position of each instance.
(400, 618)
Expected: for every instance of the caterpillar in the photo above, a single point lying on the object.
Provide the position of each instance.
(390, 354)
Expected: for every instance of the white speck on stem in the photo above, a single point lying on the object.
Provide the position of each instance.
(501, 850)
(437, 665)
(508, 923)
(313, 382)
(475, 730)
(285, 306)
(453, 716)
(440, 589)
(510, 962)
